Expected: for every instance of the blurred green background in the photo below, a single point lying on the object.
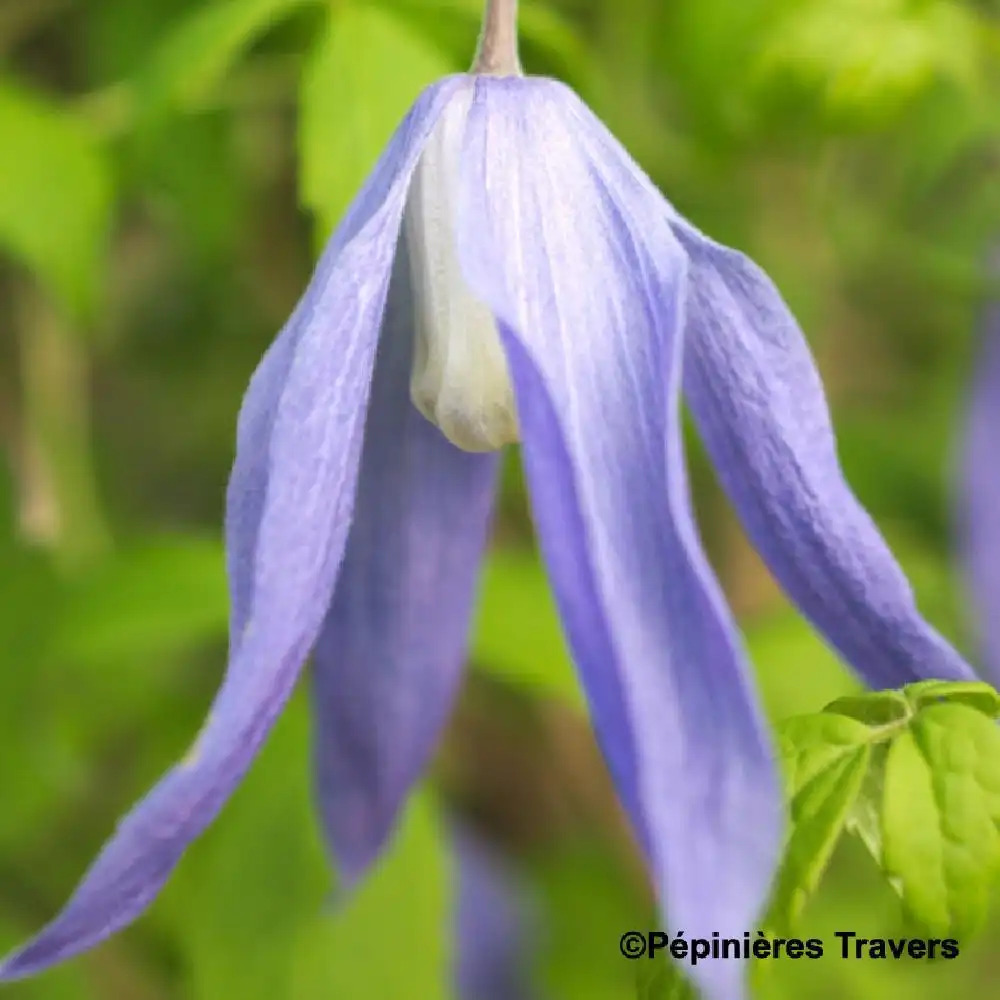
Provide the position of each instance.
(168, 169)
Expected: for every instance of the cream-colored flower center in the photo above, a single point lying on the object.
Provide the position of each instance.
(460, 380)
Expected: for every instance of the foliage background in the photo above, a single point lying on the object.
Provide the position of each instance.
(167, 172)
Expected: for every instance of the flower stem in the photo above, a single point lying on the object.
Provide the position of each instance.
(496, 53)
(59, 505)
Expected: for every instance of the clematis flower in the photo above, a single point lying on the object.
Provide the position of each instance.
(506, 274)
(980, 489)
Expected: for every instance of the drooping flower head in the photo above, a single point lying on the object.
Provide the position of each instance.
(509, 273)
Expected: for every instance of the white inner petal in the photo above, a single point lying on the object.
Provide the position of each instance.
(460, 381)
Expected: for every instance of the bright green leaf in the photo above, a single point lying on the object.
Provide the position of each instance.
(55, 198)
(392, 937)
(810, 744)
(818, 814)
(865, 817)
(201, 50)
(975, 694)
(360, 80)
(879, 708)
(940, 816)
(826, 759)
(869, 57)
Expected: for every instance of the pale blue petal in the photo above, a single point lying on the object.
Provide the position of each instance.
(388, 663)
(980, 511)
(756, 395)
(757, 399)
(248, 482)
(290, 499)
(588, 282)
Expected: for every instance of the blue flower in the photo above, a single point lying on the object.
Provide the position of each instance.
(508, 272)
(980, 488)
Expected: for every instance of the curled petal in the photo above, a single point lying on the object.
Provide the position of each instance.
(587, 280)
(757, 398)
(980, 500)
(390, 656)
(290, 504)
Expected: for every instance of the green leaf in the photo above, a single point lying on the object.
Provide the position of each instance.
(148, 601)
(940, 816)
(245, 892)
(360, 80)
(407, 900)
(588, 900)
(867, 58)
(198, 54)
(864, 820)
(251, 906)
(825, 759)
(880, 708)
(55, 198)
(810, 744)
(974, 694)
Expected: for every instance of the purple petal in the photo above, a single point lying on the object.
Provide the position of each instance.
(494, 935)
(388, 662)
(291, 498)
(980, 512)
(587, 280)
(757, 398)
(248, 482)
